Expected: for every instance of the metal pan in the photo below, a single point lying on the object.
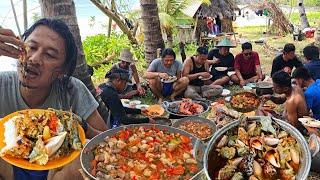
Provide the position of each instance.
(244, 110)
(171, 106)
(87, 156)
(211, 124)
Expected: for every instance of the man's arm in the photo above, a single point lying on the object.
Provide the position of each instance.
(274, 67)
(292, 113)
(96, 124)
(135, 74)
(259, 72)
(187, 68)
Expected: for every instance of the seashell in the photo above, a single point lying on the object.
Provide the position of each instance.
(243, 135)
(272, 156)
(271, 141)
(253, 178)
(257, 169)
(235, 162)
(282, 134)
(251, 128)
(223, 141)
(295, 156)
(240, 143)
(269, 171)
(54, 143)
(256, 143)
(246, 165)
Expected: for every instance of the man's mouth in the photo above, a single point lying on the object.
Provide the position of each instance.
(31, 72)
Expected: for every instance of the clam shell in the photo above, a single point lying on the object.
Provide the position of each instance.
(257, 169)
(243, 135)
(272, 156)
(270, 141)
(223, 141)
(256, 143)
(295, 156)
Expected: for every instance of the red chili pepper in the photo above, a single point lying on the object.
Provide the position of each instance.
(53, 123)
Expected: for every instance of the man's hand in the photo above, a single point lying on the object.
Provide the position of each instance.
(312, 130)
(287, 70)
(215, 60)
(265, 98)
(9, 44)
(243, 82)
(204, 74)
(164, 76)
(141, 90)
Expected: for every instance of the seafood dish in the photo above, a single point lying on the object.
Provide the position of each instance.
(40, 136)
(186, 107)
(255, 150)
(154, 110)
(198, 129)
(244, 102)
(222, 115)
(142, 153)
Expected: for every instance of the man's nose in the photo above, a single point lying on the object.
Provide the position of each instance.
(35, 57)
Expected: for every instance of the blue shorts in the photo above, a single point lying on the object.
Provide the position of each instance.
(24, 174)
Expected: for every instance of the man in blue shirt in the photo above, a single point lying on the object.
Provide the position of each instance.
(311, 53)
(302, 78)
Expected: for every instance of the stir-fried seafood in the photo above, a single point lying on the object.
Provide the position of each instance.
(40, 136)
(244, 101)
(255, 150)
(144, 153)
(198, 129)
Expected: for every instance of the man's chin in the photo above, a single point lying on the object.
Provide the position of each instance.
(27, 85)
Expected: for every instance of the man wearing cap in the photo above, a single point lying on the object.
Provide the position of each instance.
(126, 62)
(247, 66)
(197, 70)
(221, 61)
(162, 69)
(286, 61)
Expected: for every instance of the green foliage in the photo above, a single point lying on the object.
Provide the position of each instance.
(295, 2)
(99, 47)
(313, 17)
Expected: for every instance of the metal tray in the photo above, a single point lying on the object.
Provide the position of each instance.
(167, 106)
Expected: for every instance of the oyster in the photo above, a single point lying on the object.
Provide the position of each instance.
(253, 178)
(228, 152)
(269, 171)
(246, 164)
(237, 176)
(270, 141)
(257, 169)
(226, 172)
(256, 143)
(223, 141)
(251, 128)
(272, 156)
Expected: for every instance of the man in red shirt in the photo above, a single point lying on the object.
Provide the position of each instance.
(247, 66)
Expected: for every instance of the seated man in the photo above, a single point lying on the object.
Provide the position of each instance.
(163, 68)
(311, 53)
(312, 93)
(286, 61)
(127, 63)
(194, 68)
(221, 57)
(295, 103)
(247, 66)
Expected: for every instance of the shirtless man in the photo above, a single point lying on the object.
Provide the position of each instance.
(295, 103)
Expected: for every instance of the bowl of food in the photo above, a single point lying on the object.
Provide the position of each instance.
(144, 151)
(204, 78)
(259, 148)
(171, 79)
(186, 107)
(244, 102)
(197, 126)
(221, 69)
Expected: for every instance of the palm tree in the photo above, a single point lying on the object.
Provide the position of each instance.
(152, 32)
(303, 16)
(65, 11)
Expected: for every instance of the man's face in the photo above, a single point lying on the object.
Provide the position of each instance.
(45, 58)
(290, 55)
(124, 64)
(224, 51)
(120, 84)
(299, 82)
(247, 53)
(168, 61)
(201, 58)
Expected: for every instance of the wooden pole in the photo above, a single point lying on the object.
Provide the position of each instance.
(15, 17)
(25, 15)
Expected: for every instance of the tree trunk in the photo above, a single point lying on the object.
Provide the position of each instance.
(317, 37)
(303, 17)
(226, 25)
(116, 18)
(25, 15)
(65, 11)
(152, 32)
(169, 38)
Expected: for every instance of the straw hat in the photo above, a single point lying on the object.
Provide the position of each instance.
(126, 55)
(225, 42)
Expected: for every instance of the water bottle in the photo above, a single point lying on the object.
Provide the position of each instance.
(115, 122)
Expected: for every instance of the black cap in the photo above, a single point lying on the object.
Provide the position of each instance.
(202, 50)
(118, 72)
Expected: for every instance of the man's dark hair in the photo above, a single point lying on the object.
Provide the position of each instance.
(168, 51)
(282, 79)
(301, 73)
(202, 50)
(311, 52)
(289, 47)
(115, 73)
(62, 29)
(246, 45)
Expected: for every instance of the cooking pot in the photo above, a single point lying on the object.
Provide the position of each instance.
(263, 88)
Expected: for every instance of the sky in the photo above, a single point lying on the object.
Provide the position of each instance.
(84, 9)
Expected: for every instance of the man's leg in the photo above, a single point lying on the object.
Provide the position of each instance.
(179, 87)
(6, 172)
(221, 81)
(252, 79)
(192, 93)
(156, 87)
